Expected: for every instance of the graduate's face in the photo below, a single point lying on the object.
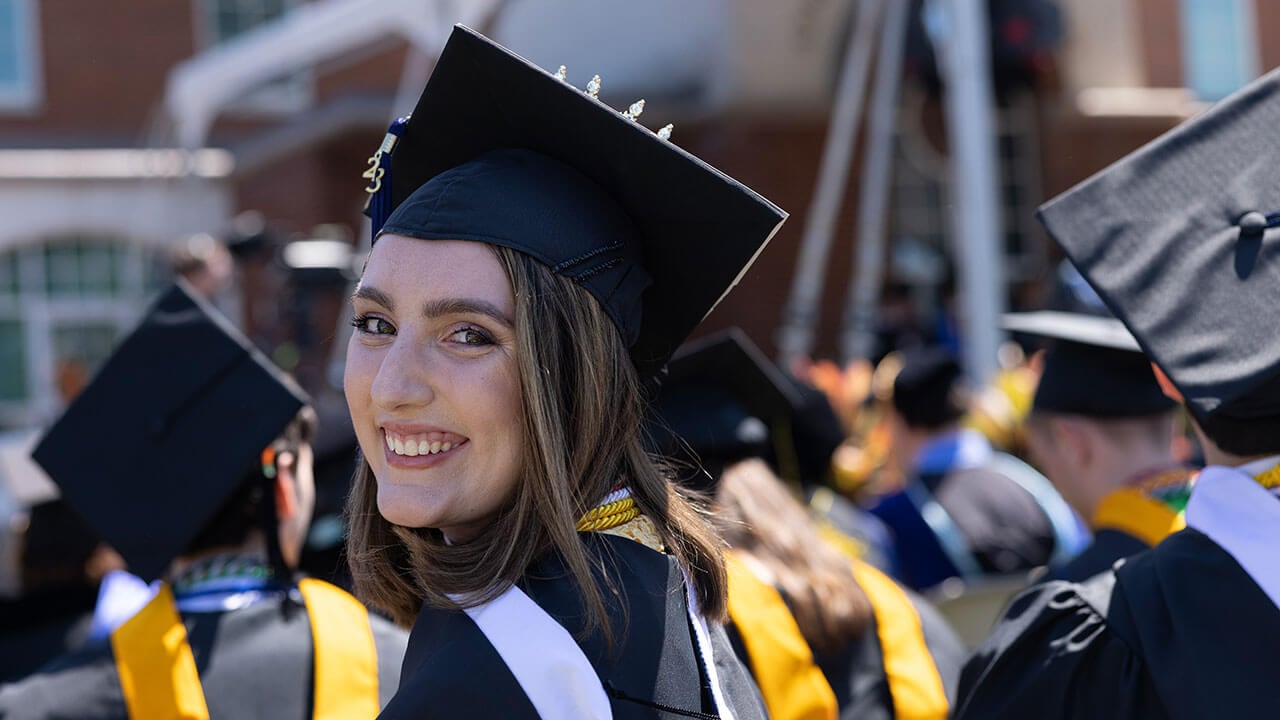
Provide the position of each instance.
(432, 383)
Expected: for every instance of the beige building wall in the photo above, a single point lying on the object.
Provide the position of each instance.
(1103, 45)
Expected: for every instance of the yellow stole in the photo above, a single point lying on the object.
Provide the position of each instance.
(913, 677)
(1131, 511)
(158, 675)
(914, 682)
(782, 664)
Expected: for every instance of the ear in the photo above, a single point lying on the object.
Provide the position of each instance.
(286, 496)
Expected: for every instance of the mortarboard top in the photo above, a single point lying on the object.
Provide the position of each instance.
(1093, 367)
(166, 431)
(498, 150)
(722, 398)
(1180, 240)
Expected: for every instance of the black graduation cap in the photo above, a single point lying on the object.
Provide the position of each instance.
(927, 390)
(1181, 239)
(167, 430)
(723, 400)
(1093, 367)
(498, 150)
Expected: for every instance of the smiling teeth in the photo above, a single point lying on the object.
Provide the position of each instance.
(413, 447)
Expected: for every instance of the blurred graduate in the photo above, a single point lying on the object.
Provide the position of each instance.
(825, 635)
(190, 454)
(966, 509)
(1101, 429)
(1181, 239)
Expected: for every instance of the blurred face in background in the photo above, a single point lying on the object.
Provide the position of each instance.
(432, 383)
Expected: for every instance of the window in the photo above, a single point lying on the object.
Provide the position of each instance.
(1219, 48)
(19, 55)
(220, 21)
(64, 304)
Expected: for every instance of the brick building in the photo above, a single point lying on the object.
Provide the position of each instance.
(93, 191)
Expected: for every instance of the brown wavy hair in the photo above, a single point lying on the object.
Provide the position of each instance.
(759, 516)
(583, 407)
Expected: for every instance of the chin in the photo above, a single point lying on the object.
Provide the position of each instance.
(404, 506)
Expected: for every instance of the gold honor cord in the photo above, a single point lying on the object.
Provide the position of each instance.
(158, 675)
(1269, 479)
(622, 518)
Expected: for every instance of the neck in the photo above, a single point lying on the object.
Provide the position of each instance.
(1134, 467)
(1214, 455)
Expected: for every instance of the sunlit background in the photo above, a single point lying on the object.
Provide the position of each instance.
(128, 128)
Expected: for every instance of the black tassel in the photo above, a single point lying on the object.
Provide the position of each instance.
(379, 206)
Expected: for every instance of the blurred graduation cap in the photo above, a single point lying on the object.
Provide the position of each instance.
(1181, 241)
(722, 401)
(167, 430)
(1092, 367)
(928, 390)
(498, 150)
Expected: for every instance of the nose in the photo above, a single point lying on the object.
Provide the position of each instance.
(404, 378)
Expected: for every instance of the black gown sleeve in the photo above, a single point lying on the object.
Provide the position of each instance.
(945, 647)
(1053, 657)
(740, 690)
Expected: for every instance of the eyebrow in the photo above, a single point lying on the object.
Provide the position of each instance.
(439, 308)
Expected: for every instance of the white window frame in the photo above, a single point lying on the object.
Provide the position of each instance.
(289, 94)
(41, 316)
(29, 93)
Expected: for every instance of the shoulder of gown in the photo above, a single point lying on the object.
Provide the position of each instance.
(452, 670)
(1180, 631)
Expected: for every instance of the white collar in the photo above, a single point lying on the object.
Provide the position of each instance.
(1254, 468)
(1241, 517)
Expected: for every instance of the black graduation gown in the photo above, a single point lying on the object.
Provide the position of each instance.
(1178, 632)
(452, 671)
(254, 662)
(38, 628)
(1108, 547)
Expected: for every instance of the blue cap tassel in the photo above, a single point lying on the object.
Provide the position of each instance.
(379, 205)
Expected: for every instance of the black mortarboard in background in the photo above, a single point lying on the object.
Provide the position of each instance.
(928, 391)
(722, 401)
(498, 150)
(1181, 239)
(1092, 367)
(167, 430)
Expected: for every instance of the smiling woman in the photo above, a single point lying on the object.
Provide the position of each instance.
(432, 383)
(527, 281)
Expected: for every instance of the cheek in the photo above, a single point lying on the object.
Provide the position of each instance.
(358, 375)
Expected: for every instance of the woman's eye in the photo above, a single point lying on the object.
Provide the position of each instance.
(470, 336)
(372, 325)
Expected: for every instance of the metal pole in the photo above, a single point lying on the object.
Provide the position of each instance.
(795, 337)
(976, 214)
(858, 339)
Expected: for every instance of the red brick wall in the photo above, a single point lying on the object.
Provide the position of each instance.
(1160, 28)
(1267, 13)
(104, 65)
(780, 161)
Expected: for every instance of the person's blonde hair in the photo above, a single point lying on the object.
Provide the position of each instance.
(582, 406)
(758, 516)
